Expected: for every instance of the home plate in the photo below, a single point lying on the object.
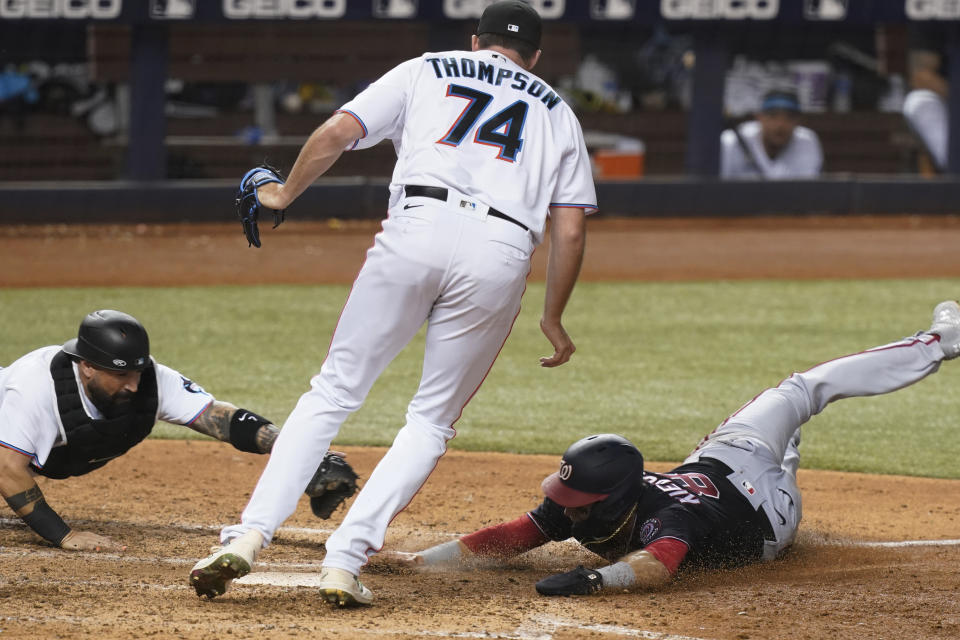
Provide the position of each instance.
(281, 579)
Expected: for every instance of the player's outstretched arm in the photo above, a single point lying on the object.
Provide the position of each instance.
(318, 154)
(244, 429)
(446, 554)
(648, 571)
(567, 242)
(497, 541)
(334, 481)
(25, 498)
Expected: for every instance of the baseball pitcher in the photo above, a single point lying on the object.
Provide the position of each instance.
(485, 151)
(733, 501)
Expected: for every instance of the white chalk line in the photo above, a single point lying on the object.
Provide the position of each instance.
(310, 531)
(903, 543)
(534, 628)
(185, 526)
(123, 557)
(127, 586)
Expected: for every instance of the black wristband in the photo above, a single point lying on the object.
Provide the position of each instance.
(244, 426)
(47, 523)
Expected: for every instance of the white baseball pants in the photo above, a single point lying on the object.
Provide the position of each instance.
(759, 442)
(456, 269)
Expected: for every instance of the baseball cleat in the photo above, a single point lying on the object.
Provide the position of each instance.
(343, 589)
(211, 577)
(946, 324)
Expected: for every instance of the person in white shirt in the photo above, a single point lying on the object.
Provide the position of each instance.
(925, 106)
(486, 151)
(774, 146)
(68, 410)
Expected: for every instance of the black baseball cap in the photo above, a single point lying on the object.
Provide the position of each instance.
(513, 18)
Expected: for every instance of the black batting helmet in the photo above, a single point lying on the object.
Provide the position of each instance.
(111, 340)
(593, 469)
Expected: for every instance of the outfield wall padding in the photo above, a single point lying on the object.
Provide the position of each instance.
(363, 198)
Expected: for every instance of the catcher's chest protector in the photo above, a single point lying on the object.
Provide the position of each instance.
(93, 443)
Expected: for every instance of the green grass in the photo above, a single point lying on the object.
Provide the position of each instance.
(660, 363)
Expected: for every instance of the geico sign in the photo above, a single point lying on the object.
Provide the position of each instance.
(71, 9)
(242, 9)
(471, 9)
(719, 9)
(932, 9)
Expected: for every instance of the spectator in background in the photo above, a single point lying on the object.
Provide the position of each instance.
(925, 107)
(773, 146)
(17, 92)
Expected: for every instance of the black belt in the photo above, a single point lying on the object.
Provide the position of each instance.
(439, 193)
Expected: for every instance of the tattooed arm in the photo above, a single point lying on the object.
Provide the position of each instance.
(25, 498)
(227, 423)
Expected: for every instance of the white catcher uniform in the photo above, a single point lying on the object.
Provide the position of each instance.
(801, 158)
(30, 422)
(484, 148)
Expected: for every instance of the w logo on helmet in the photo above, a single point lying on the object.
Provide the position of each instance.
(566, 470)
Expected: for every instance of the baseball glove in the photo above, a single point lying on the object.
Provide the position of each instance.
(332, 484)
(248, 203)
(579, 582)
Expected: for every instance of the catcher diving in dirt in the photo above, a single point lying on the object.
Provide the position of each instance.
(733, 501)
(66, 411)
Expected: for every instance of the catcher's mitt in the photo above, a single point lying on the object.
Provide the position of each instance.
(332, 484)
(248, 204)
(579, 582)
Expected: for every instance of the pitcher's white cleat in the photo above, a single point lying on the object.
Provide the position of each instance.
(212, 576)
(342, 588)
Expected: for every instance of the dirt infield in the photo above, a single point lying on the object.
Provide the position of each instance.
(617, 249)
(165, 500)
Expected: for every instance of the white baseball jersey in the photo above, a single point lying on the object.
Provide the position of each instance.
(491, 147)
(479, 123)
(29, 419)
(801, 158)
